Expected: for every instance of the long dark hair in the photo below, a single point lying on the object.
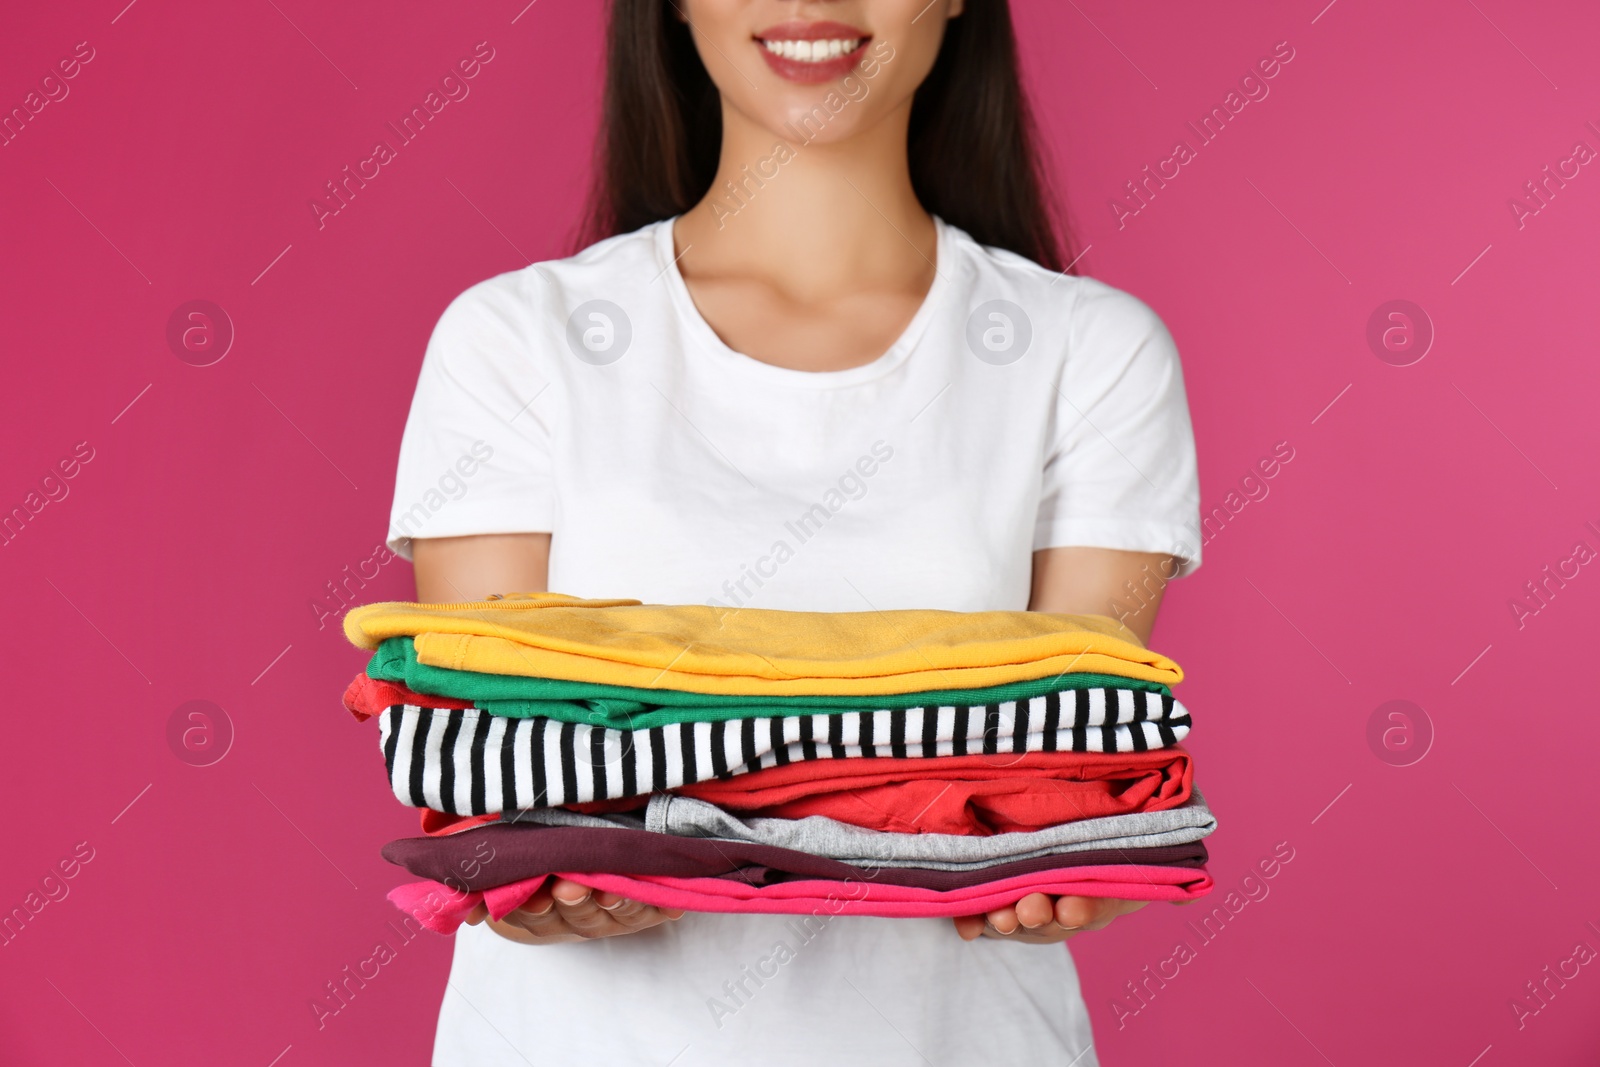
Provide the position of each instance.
(972, 138)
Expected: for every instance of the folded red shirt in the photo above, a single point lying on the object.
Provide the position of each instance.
(438, 824)
(974, 795)
(365, 697)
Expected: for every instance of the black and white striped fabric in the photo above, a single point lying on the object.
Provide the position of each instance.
(468, 762)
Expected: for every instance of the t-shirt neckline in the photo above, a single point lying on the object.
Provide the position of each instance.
(738, 362)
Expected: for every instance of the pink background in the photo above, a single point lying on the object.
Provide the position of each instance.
(183, 562)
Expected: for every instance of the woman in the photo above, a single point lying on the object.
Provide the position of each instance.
(825, 359)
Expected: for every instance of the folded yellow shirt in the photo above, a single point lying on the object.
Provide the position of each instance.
(750, 651)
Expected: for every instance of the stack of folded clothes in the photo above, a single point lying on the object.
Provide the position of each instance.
(899, 763)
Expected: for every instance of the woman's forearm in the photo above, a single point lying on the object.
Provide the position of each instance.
(452, 569)
(1128, 586)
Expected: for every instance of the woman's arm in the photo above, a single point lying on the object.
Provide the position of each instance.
(451, 569)
(1079, 581)
(1102, 581)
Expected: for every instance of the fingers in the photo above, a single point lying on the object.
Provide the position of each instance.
(563, 911)
(1080, 912)
(1034, 910)
(1035, 924)
(534, 922)
(1039, 919)
(538, 904)
(1090, 913)
(1049, 933)
(1003, 920)
(630, 914)
(1030, 913)
(969, 927)
(576, 906)
(1031, 919)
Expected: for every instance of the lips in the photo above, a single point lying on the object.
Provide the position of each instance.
(812, 52)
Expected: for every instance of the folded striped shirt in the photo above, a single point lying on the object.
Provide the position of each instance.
(464, 761)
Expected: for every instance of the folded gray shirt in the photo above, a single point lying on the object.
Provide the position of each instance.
(822, 836)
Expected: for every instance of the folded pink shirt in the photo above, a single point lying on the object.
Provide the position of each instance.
(443, 909)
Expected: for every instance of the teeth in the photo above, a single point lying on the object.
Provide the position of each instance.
(813, 51)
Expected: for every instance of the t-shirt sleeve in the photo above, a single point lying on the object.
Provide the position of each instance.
(1121, 470)
(475, 455)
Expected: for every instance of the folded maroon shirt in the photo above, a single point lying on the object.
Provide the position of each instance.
(502, 853)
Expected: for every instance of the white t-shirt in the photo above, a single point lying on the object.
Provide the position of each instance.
(587, 397)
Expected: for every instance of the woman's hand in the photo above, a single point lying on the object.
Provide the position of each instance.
(566, 911)
(1038, 919)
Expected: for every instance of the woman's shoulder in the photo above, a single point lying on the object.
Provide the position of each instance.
(521, 322)
(1035, 286)
(1091, 315)
(552, 287)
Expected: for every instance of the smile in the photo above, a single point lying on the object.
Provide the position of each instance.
(812, 52)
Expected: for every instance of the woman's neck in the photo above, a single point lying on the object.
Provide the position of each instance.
(814, 219)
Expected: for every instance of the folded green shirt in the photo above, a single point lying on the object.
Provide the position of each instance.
(627, 708)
